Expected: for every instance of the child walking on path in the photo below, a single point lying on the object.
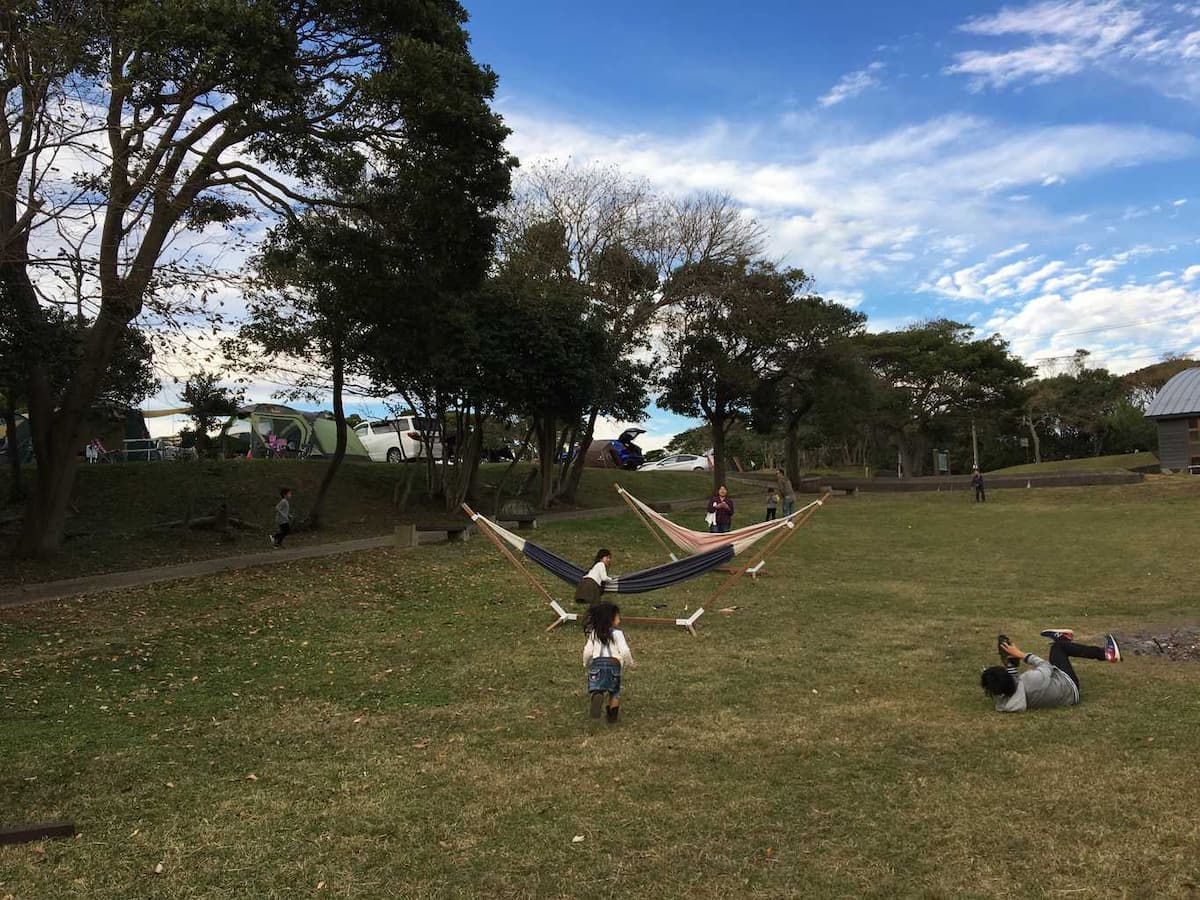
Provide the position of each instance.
(1052, 683)
(592, 584)
(772, 503)
(283, 518)
(977, 483)
(603, 654)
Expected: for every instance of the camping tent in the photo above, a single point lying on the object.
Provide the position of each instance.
(268, 429)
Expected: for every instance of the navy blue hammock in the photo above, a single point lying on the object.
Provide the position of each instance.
(651, 579)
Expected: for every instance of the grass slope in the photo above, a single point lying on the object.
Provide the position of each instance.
(1116, 463)
(117, 507)
(400, 725)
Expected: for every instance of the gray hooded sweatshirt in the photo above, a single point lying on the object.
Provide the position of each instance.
(1042, 686)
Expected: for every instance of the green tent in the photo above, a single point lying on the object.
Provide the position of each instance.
(268, 429)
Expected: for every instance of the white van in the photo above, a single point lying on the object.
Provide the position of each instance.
(396, 440)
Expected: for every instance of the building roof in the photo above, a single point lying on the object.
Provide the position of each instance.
(1179, 397)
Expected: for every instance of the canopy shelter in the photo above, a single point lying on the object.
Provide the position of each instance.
(651, 579)
(695, 542)
(267, 430)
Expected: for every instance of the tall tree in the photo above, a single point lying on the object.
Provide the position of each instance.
(144, 119)
(720, 341)
(933, 377)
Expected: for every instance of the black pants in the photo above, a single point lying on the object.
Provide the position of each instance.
(980, 496)
(1062, 651)
(770, 513)
(285, 529)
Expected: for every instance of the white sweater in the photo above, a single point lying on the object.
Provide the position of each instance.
(598, 573)
(616, 647)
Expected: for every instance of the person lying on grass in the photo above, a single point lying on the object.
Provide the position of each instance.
(1046, 684)
(591, 585)
(603, 654)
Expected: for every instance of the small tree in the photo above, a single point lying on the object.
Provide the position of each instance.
(208, 403)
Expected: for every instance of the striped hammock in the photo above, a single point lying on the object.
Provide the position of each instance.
(631, 583)
(701, 541)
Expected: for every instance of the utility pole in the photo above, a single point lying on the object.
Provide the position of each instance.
(974, 445)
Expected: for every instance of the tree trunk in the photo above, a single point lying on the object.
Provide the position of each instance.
(16, 490)
(1037, 443)
(791, 452)
(508, 471)
(468, 465)
(718, 424)
(58, 432)
(339, 450)
(547, 437)
(571, 490)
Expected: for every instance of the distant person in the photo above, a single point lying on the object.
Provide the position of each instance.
(89, 452)
(591, 585)
(1047, 684)
(772, 503)
(283, 518)
(977, 483)
(604, 654)
(786, 491)
(720, 508)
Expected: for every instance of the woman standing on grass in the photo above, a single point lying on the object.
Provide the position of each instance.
(603, 654)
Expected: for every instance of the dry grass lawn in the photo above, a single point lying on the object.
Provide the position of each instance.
(400, 725)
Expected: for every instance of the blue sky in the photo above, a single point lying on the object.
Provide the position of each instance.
(1031, 168)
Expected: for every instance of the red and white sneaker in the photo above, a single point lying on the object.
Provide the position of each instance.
(1112, 652)
(1058, 634)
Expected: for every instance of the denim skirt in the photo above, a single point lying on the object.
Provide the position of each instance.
(604, 676)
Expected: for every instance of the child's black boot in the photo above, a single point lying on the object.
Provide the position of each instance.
(597, 703)
(613, 712)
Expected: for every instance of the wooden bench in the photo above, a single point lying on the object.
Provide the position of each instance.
(849, 490)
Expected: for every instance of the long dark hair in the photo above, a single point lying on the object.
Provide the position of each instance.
(600, 554)
(997, 682)
(599, 621)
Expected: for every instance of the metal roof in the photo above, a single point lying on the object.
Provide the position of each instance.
(1179, 397)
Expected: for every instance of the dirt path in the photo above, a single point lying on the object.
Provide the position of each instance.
(92, 584)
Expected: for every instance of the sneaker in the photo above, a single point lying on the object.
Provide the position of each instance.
(613, 712)
(597, 705)
(1112, 652)
(1058, 634)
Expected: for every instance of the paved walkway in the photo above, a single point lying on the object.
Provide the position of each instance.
(93, 584)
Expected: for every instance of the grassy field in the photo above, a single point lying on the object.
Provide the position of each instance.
(400, 725)
(1117, 463)
(117, 508)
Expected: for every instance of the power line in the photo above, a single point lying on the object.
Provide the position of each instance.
(1125, 325)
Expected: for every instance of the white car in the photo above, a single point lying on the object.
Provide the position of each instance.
(395, 440)
(679, 462)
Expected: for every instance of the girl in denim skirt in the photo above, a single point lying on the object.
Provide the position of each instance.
(604, 654)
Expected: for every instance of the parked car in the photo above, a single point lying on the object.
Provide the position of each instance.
(396, 440)
(679, 462)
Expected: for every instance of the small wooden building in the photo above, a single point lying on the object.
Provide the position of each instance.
(1176, 409)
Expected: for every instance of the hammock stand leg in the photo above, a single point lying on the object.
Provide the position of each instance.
(689, 623)
(770, 546)
(641, 515)
(516, 562)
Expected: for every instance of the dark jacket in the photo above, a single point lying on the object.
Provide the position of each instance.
(724, 513)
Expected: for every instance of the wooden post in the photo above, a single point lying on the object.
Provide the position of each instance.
(645, 521)
(503, 549)
(406, 535)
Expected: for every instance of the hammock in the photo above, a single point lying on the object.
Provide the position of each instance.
(700, 541)
(633, 583)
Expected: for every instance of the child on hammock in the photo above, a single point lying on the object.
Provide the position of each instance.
(603, 654)
(591, 585)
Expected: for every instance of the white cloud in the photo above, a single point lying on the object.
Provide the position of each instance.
(845, 209)
(851, 85)
(1191, 273)
(1061, 38)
